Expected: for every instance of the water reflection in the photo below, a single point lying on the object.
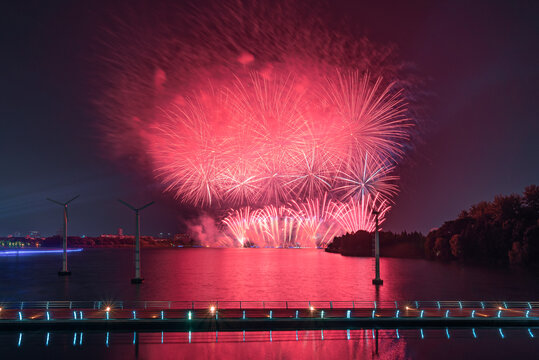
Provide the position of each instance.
(263, 274)
(255, 274)
(384, 344)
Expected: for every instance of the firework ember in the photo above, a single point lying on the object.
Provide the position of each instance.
(290, 135)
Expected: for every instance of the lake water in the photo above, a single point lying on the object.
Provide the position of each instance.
(261, 274)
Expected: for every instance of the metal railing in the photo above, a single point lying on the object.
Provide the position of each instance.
(290, 304)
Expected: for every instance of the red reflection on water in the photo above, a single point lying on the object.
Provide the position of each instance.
(318, 344)
(262, 274)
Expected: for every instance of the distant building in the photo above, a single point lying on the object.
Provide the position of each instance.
(117, 236)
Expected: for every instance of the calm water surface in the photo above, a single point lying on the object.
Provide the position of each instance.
(261, 274)
(254, 274)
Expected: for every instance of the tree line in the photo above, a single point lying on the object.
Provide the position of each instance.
(503, 231)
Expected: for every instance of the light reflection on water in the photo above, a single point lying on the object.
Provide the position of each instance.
(254, 274)
(262, 274)
(383, 344)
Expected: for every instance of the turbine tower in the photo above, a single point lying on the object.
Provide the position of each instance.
(64, 271)
(377, 280)
(137, 279)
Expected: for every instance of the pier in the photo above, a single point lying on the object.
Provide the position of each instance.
(263, 315)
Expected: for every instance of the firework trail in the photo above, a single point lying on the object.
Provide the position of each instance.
(293, 127)
(315, 221)
(367, 176)
(357, 214)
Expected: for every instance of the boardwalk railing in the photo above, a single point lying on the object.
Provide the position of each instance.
(293, 304)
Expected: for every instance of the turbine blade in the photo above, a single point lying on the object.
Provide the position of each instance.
(56, 202)
(145, 206)
(128, 205)
(72, 199)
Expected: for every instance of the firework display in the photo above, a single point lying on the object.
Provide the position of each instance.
(289, 143)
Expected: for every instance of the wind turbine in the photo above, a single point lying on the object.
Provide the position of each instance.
(64, 271)
(137, 279)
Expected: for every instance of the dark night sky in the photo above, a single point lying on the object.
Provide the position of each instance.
(480, 60)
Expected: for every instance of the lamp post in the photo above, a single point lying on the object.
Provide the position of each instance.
(377, 280)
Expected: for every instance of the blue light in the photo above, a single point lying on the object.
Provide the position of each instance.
(271, 314)
(297, 313)
(416, 304)
(447, 313)
(447, 332)
(74, 339)
(482, 305)
(34, 252)
(529, 305)
(474, 334)
(499, 313)
(322, 314)
(397, 332)
(107, 315)
(80, 340)
(134, 314)
(107, 340)
(296, 335)
(81, 317)
(20, 315)
(375, 304)
(373, 312)
(134, 338)
(48, 316)
(473, 313)
(422, 335)
(531, 334)
(348, 314)
(438, 304)
(20, 340)
(162, 315)
(347, 334)
(162, 336)
(243, 314)
(216, 315)
(422, 311)
(501, 333)
(189, 336)
(47, 341)
(373, 334)
(504, 305)
(189, 316)
(216, 336)
(74, 315)
(244, 335)
(397, 314)
(460, 304)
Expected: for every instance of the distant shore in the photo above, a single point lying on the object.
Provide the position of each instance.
(106, 241)
(403, 245)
